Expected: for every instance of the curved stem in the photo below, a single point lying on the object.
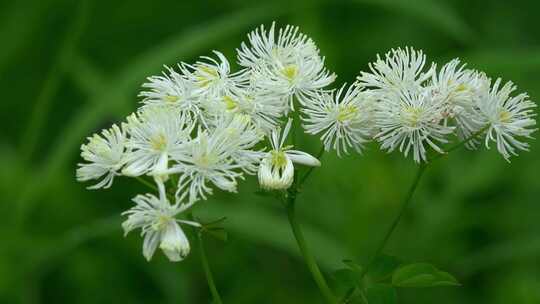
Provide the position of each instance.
(404, 205)
(306, 254)
(207, 271)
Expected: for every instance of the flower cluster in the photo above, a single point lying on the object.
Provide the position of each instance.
(404, 104)
(202, 126)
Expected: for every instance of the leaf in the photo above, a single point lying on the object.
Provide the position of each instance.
(422, 275)
(381, 294)
(383, 266)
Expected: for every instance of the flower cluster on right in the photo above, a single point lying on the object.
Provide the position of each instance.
(408, 105)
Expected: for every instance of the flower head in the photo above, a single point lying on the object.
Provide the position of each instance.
(409, 121)
(343, 117)
(289, 65)
(400, 69)
(157, 219)
(216, 157)
(276, 171)
(105, 155)
(459, 90)
(154, 134)
(507, 117)
(213, 78)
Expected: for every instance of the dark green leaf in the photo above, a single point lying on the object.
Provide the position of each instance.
(344, 279)
(422, 275)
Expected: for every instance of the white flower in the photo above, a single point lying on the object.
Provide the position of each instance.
(287, 66)
(209, 158)
(155, 133)
(507, 118)
(105, 156)
(459, 89)
(276, 171)
(171, 89)
(263, 110)
(401, 69)
(213, 78)
(410, 120)
(345, 119)
(157, 219)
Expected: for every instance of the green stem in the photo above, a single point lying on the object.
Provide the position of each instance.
(306, 254)
(207, 271)
(404, 205)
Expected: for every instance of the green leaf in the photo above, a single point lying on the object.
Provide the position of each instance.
(422, 275)
(381, 294)
(383, 266)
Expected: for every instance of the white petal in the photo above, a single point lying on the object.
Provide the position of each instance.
(174, 243)
(151, 241)
(303, 158)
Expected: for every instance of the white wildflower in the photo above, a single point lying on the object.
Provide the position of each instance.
(401, 69)
(105, 155)
(507, 117)
(157, 219)
(410, 120)
(276, 171)
(263, 110)
(209, 158)
(459, 89)
(343, 117)
(289, 65)
(171, 89)
(155, 134)
(213, 78)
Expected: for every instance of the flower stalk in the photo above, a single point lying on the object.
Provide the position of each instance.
(306, 253)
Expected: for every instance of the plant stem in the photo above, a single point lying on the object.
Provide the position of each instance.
(421, 169)
(207, 271)
(308, 257)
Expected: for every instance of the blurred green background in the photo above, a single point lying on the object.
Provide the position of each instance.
(70, 68)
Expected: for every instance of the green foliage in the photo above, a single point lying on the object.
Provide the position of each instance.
(422, 275)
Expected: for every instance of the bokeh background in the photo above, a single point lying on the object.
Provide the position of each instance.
(70, 68)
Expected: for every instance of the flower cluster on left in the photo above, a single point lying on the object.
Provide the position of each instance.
(202, 126)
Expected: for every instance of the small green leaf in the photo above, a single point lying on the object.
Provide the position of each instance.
(381, 294)
(383, 266)
(218, 233)
(422, 275)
